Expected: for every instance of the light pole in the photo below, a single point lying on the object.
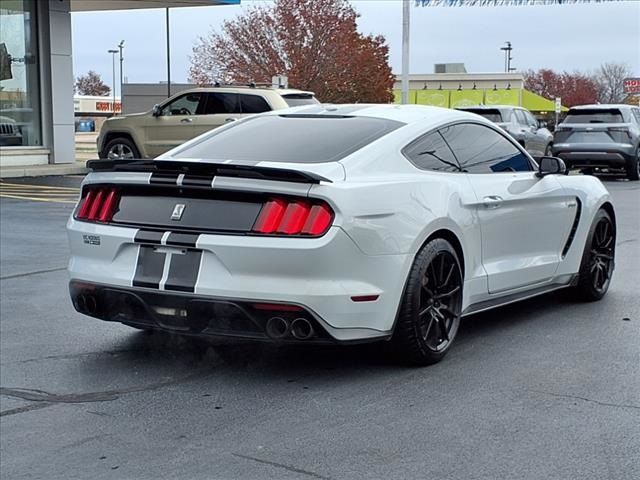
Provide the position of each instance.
(406, 15)
(507, 57)
(113, 57)
(120, 47)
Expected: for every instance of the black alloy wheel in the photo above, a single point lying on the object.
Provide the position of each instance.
(598, 260)
(430, 311)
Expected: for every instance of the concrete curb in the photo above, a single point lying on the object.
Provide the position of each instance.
(43, 170)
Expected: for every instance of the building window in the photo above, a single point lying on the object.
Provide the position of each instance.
(19, 80)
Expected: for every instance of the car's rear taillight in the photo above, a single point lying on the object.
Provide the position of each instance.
(293, 217)
(98, 204)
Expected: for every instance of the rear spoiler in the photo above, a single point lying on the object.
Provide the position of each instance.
(204, 168)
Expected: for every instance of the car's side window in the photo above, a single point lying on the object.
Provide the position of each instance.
(522, 119)
(531, 120)
(184, 105)
(220, 102)
(253, 104)
(480, 149)
(431, 152)
(636, 113)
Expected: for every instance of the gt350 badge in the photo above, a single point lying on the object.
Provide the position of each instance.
(91, 239)
(178, 210)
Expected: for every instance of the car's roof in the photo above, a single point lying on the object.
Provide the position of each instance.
(601, 106)
(247, 89)
(409, 114)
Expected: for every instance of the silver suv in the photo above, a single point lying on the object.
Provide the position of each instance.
(520, 124)
(600, 136)
(187, 115)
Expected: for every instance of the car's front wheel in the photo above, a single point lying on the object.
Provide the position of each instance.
(120, 148)
(430, 310)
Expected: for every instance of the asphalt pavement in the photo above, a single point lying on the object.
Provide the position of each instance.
(545, 389)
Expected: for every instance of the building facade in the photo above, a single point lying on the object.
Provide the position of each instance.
(37, 121)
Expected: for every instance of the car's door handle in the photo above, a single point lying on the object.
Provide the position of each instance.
(492, 201)
(227, 120)
(186, 120)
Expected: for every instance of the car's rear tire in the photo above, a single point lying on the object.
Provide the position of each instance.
(120, 148)
(430, 309)
(598, 259)
(633, 167)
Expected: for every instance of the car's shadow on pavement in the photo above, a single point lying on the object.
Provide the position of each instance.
(177, 353)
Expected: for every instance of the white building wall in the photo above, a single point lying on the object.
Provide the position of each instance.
(62, 128)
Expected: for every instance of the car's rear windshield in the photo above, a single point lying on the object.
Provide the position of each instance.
(599, 115)
(492, 115)
(298, 99)
(290, 138)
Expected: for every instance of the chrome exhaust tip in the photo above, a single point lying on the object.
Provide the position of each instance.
(277, 328)
(90, 304)
(81, 303)
(301, 329)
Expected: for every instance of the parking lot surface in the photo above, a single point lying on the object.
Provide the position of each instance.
(545, 389)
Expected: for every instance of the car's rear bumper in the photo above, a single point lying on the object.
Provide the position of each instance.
(319, 274)
(190, 314)
(597, 155)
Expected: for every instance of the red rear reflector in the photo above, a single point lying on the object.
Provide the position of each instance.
(86, 204)
(294, 218)
(365, 298)
(270, 216)
(109, 207)
(318, 221)
(95, 206)
(277, 307)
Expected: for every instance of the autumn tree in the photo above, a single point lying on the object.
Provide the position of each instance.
(91, 84)
(573, 88)
(315, 43)
(610, 78)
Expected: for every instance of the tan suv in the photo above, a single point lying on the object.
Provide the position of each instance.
(187, 115)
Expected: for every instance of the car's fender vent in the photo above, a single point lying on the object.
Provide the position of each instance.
(574, 228)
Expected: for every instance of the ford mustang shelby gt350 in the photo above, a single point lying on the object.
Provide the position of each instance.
(336, 224)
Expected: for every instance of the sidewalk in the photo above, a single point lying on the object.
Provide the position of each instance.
(85, 150)
(75, 168)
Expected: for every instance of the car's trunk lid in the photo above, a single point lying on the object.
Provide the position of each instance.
(592, 133)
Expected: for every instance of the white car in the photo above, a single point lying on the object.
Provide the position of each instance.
(342, 224)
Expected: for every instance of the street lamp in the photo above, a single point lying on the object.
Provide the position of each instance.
(120, 47)
(113, 57)
(507, 57)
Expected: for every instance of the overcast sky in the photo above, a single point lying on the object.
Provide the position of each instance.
(569, 37)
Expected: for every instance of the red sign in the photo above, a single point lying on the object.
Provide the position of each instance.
(108, 106)
(631, 85)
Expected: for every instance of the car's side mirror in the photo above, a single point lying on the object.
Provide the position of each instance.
(551, 166)
(156, 111)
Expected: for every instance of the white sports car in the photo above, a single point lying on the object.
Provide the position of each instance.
(346, 223)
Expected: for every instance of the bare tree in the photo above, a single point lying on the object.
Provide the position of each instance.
(91, 84)
(610, 77)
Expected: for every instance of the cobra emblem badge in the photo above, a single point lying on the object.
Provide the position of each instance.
(178, 210)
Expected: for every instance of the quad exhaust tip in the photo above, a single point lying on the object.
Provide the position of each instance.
(87, 303)
(278, 328)
(301, 329)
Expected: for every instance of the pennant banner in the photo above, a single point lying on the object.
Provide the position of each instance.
(502, 3)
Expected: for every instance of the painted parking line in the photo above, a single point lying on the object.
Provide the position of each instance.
(39, 193)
